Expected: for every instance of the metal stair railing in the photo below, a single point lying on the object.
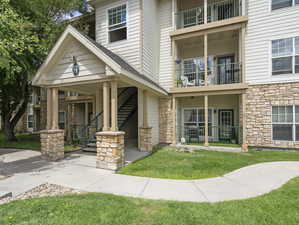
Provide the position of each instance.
(83, 134)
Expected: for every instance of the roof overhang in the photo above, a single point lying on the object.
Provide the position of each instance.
(116, 69)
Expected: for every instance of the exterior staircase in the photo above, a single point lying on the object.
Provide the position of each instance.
(128, 99)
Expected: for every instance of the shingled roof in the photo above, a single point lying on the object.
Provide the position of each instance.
(121, 62)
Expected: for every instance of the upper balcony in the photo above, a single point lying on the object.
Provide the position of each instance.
(199, 14)
(224, 57)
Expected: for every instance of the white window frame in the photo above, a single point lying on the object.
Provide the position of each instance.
(64, 118)
(294, 4)
(293, 55)
(293, 123)
(108, 26)
(30, 128)
(197, 108)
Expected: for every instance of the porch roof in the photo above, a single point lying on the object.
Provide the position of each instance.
(118, 65)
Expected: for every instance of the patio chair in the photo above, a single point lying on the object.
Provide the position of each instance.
(186, 83)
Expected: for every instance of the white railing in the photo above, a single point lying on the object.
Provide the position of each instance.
(216, 11)
(193, 73)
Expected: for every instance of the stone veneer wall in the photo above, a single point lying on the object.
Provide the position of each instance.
(165, 120)
(110, 150)
(52, 144)
(146, 139)
(260, 99)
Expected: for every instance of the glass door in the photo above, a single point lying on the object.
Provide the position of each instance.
(226, 123)
(225, 70)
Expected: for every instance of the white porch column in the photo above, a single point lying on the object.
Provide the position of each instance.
(49, 108)
(206, 121)
(205, 11)
(52, 139)
(243, 52)
(54, 109)
(86, 113)
(174, 111)
(99, 106)
(206, 58)
(114, 106)
(106, 106)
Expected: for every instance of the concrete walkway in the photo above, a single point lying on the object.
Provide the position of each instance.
(27, 170)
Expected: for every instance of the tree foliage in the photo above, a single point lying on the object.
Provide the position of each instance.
(28, 29)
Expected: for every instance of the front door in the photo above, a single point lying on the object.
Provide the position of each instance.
(226, 123)
(225, 70)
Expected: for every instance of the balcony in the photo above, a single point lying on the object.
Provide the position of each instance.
(191, 14)
(192, 73)
(224, 57)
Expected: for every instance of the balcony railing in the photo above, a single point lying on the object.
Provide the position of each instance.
(216, 11)
(223, 133)
(189, 75)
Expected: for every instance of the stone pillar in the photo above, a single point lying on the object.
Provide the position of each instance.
(52, 144)
(244, 133)
(146, 139)
(110, 150)
(145, 135)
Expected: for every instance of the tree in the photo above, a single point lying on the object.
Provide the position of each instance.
(28, 29)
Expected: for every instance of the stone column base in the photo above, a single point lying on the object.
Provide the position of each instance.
(52, 144)
(145, 144)
(244, 147)
(110, 150)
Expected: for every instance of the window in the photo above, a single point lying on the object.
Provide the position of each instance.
(30, 121)
(194, 121)
(117, 23)
(194, 69)
(277, 4)
(285, 123)
(285, 56)
(61, 120)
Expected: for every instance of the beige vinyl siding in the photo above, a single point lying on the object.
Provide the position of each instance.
(166, 26)
(128, 49)
(88, 62)
(265, 25)
(150, 38)
(153, 115)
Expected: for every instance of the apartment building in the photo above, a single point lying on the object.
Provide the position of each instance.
(180, 71)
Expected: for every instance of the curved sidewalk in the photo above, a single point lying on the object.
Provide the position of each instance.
(79, 172)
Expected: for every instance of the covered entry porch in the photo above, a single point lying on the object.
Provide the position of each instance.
(120, 94)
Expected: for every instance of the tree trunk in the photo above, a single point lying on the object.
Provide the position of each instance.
(9, 132)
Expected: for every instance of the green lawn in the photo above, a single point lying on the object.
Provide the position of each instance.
(27, 141)
(280, 207)
(166, 163)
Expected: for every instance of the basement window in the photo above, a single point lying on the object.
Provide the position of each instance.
(117, 23)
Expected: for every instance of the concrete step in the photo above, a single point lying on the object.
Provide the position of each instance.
(5, 195)
(89, 149)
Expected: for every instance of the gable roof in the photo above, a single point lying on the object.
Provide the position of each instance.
(114, 61)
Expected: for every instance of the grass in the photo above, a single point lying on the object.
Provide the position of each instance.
(166, 163)
(221, 144)
(280, 207)
(27, 141)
